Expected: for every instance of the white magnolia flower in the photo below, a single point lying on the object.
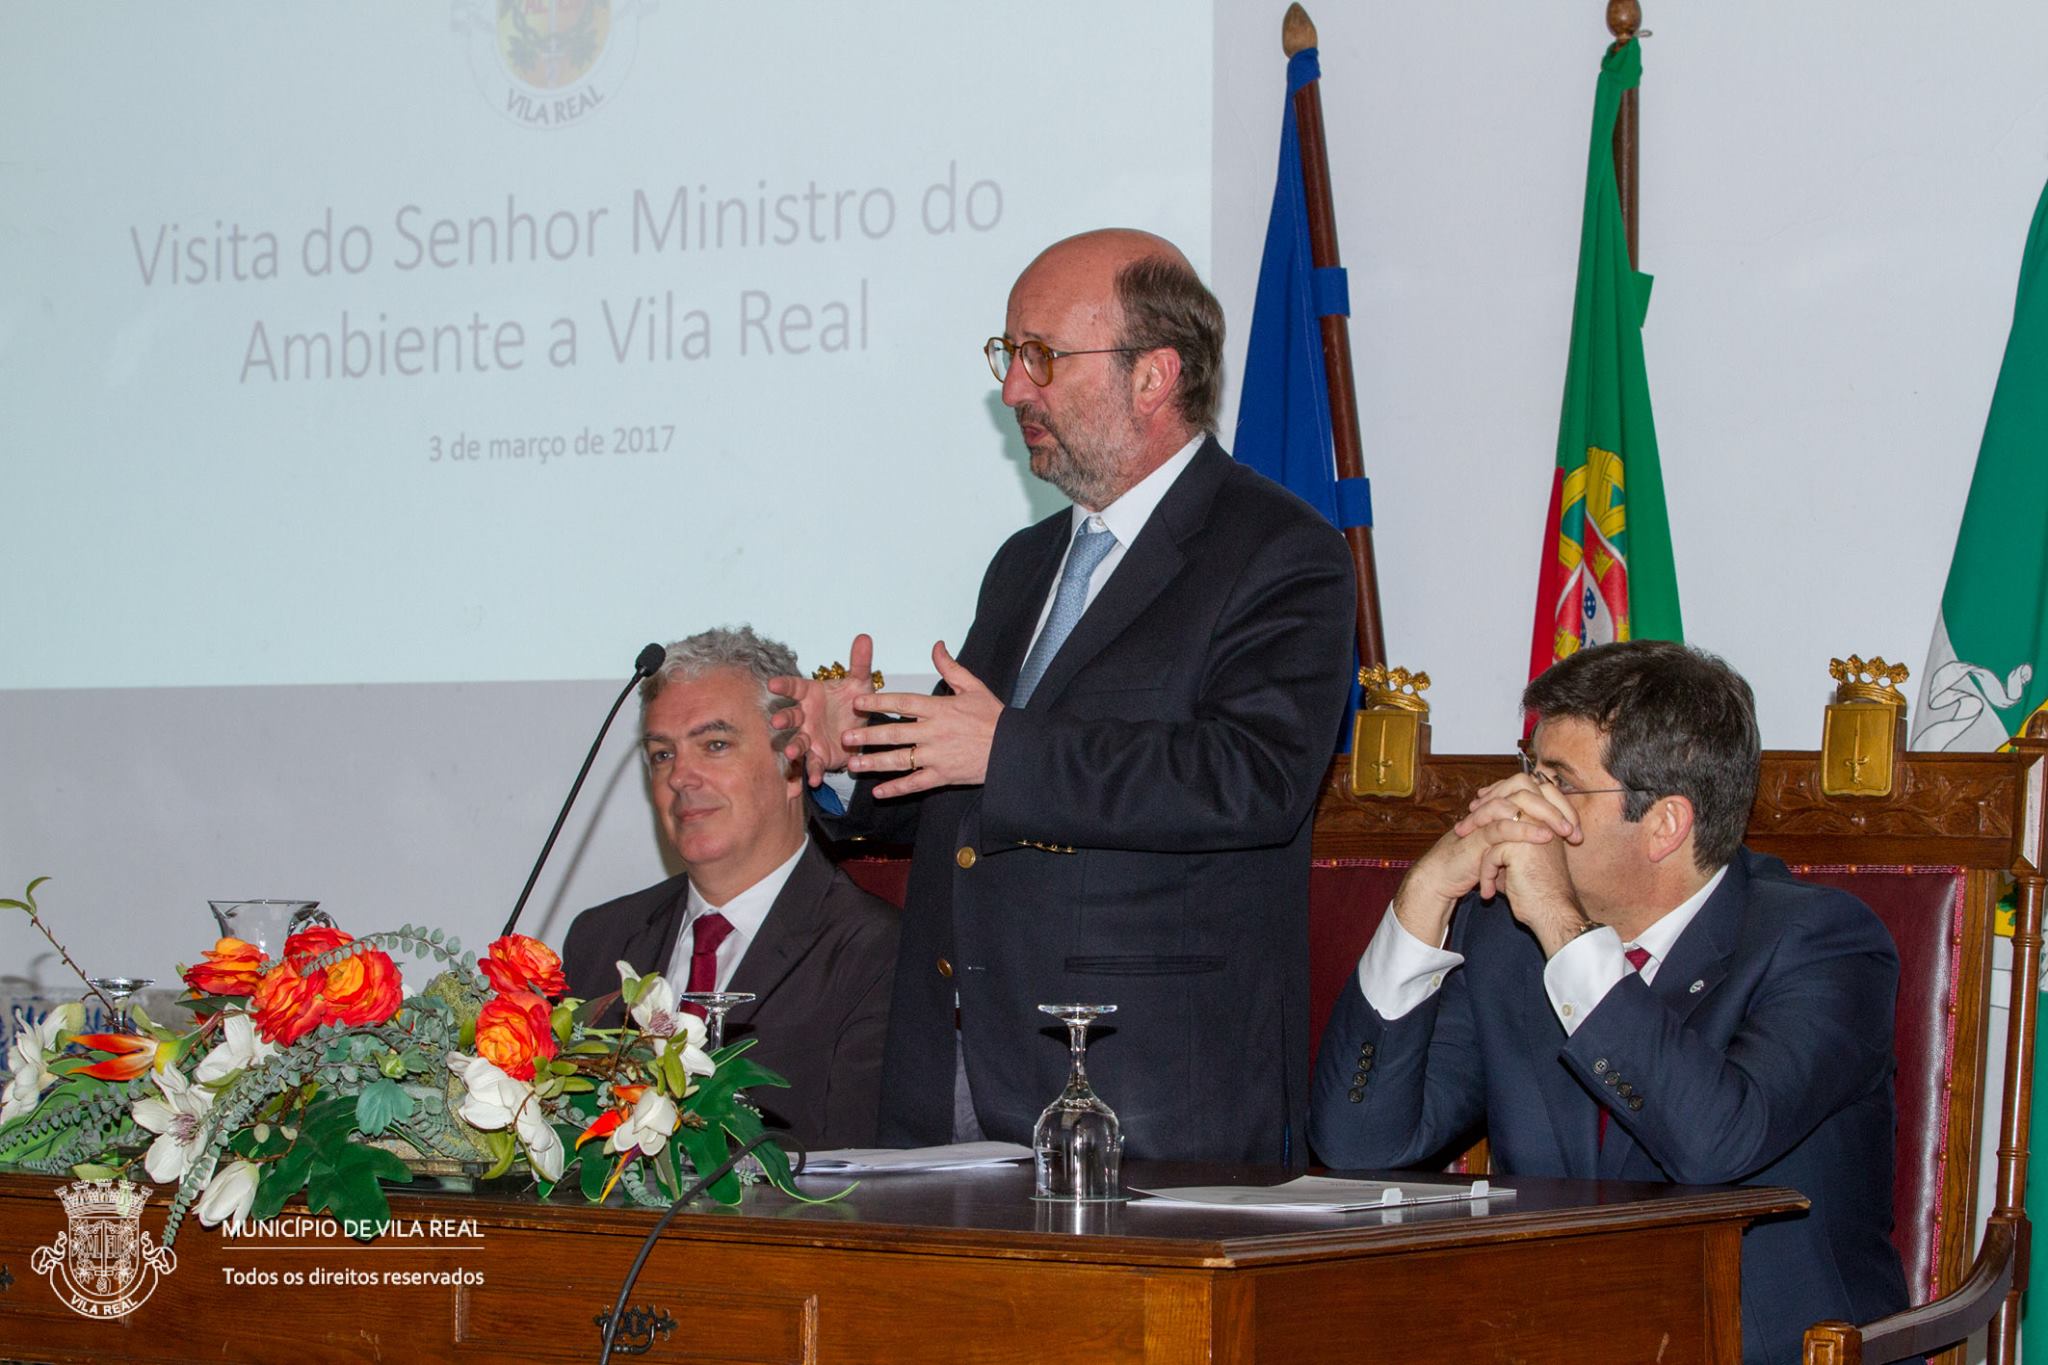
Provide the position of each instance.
(239, 1047)
(648, 1127)
(493, 1100)
(229, 1195)
(178, 1119)
(28, 1073)
(678, 1030)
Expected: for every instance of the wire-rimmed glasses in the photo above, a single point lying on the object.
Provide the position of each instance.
(1037, 357)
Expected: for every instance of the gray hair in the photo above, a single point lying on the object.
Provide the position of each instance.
(726, 647)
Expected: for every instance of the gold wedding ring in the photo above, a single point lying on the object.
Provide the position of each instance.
(913, 758)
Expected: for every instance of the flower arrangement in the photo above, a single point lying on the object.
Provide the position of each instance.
(312, 1074)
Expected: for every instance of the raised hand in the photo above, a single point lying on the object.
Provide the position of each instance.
(936, 742)
(824, 711)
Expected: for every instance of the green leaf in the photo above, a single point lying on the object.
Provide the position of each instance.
(280, 1181)
(706, 1149)
(504, 1150)
(597, 1168)
(86, 1170)
(382, 1103)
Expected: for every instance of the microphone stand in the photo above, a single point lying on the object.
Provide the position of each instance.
(643, 667)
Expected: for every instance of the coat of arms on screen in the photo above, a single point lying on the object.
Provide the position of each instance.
(548, 63)
(103, 1265)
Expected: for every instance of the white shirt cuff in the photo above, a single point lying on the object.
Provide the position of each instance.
(1582, 973)
(1398, 971)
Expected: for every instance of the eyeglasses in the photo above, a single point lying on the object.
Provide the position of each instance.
(1037, 357)
(1565, 788)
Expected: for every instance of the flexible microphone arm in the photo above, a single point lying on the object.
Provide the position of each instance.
(643, 667)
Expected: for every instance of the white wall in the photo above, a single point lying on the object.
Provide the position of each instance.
(1834, 200)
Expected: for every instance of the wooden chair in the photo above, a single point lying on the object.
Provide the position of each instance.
(1931, 860)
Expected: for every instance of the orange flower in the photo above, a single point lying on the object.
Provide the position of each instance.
(518, 963)
(288, 1006)
(512, 1032)
(363, 988)
(132, 1055)
(291, 1001)
(232, 967)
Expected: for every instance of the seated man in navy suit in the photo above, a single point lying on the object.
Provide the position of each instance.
(1592, 971)
(757, 907)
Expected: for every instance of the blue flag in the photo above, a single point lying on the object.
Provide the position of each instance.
(1283, 413)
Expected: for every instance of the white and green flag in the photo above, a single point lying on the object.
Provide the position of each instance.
(1987, 670)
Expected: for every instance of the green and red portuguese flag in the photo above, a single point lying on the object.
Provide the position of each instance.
(1987, 669)
(1607, 570)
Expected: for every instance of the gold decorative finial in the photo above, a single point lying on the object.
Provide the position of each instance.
(1394, 687)
(1297, 31)
(1875, 681)
(1624, 17)
(1390, 733)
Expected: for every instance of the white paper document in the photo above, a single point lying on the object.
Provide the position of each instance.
(1326, 1194)
(958, 1156)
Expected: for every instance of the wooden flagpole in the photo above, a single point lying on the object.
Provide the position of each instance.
(1624, 18)
(1297, 33)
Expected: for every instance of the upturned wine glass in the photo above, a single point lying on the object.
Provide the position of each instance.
(266, 923)
(1078, 1144)
(715, 1004)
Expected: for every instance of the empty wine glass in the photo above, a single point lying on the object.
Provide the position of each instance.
(117, 990)
(715, 1004)
(1078, 1145)
(266, 923)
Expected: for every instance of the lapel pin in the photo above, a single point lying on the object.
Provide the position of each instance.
(1696, 987)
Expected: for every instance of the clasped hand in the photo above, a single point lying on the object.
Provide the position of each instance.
(1511, 841)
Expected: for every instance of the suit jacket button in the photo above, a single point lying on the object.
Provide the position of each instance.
(965, 857)
(1357, 1094)
(1609, 1079)
(1624, 1089)
(1358, 1076)
(945, 967)
(1635, 1102)
(1600, 1067)
(1365, 1049)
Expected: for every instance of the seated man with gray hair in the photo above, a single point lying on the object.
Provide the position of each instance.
(757, 908)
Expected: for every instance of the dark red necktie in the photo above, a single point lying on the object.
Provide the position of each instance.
(1636, 958)
(707, 931)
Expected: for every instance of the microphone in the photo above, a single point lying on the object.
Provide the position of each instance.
(644, 666)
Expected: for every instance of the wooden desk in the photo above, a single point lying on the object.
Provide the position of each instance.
(955, 1268)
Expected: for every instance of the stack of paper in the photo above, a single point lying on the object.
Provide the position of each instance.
(1326, 1194)
(958, 1156)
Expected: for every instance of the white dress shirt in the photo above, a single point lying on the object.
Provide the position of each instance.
(1123, 519)
(746, 912)
(1398, 971)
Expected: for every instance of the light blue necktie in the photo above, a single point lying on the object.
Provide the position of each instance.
(1089, 546)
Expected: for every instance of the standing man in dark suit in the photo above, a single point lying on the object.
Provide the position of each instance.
(1592, 971)
(757, 908)
(1110, 795)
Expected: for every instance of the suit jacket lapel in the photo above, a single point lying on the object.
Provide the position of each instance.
(1703, 951)
(1147, 567)
(1011, 639)
(652, 945)
(1701, 955)
(791, 928)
